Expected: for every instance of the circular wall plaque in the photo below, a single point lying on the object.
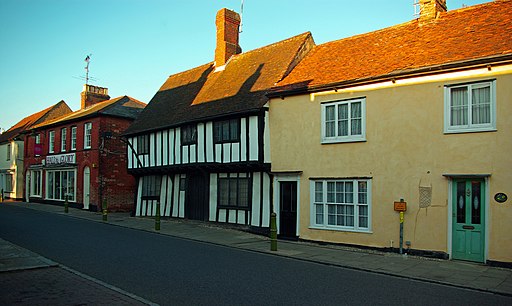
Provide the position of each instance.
(500, 197)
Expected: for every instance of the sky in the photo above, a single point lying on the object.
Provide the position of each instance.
(134, 45)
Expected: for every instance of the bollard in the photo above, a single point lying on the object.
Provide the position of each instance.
(104, 210)
(66, 204)
(2, 196)
(157, 216)
(273, 232)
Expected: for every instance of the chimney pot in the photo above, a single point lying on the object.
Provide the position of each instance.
(228, 23)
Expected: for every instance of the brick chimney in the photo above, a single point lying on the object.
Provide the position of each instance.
(430, 9)
(228, 23)
(92, 95)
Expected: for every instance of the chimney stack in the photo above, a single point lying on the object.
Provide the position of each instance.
(430, 9)
(228, 23)
(92, 95)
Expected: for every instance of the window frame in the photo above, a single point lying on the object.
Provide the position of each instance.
(470, 127)
(188, 134)
(73, 138)
(63, 136)
(234, 180)
(36, 183)
(218, 136)
(143, 144)
(324, 225)
(87, 135)
(51, 142)
(350, 137)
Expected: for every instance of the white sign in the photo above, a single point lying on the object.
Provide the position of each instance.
(61, 159)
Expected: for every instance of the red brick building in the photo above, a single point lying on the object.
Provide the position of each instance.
(82, 155)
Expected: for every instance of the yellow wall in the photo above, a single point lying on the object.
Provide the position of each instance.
(405, 143)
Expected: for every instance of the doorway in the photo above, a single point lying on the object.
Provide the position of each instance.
(196, 197)
(288, 209)
(468, 223)
(87, 184)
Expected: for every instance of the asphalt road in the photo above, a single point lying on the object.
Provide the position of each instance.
(172, 271)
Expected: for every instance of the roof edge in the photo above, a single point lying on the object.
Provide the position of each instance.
(291, 90)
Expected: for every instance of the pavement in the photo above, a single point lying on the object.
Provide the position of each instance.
(18, 263)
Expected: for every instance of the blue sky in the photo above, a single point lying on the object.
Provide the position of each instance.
(136, 44)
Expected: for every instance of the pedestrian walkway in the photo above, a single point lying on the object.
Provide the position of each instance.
(455, 273)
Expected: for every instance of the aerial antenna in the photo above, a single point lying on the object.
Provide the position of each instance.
(87, 60)
(241, 15)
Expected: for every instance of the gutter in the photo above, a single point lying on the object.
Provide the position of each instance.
(484, 62)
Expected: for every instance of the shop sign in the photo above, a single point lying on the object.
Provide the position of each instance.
(60, 159)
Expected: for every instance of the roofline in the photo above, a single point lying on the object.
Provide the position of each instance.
(282, 91)
(198, 120)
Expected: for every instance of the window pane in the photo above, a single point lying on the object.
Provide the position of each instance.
(355, 127)
(459, 106)
(243, 188)
(349, 189)
(319, 213)
(331, 214)
(481, 105)
(461, 202)
(233, 127)
(340, 192)
(330, 123)
(343, 120)
(475, 202)
(330, 192)
(319, 192)
(362, 192)
(355, 110)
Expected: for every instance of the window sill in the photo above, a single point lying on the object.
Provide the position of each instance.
(342, 140)
(234, 207)
(340, 229)
(470, 130)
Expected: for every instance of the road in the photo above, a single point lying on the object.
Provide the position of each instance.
(173, 271)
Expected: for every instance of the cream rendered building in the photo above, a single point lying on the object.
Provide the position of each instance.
(419, 113)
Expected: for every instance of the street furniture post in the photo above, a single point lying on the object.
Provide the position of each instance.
(104, 210)
(66, 204)
(157, 216)
(273, 232)
(401, 207)
(2, 196)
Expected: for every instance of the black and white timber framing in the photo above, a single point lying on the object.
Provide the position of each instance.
(179, 165)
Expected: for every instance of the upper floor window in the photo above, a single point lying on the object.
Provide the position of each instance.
(38, 138)
(226, 131)
(189, 134)
(9, 151)
(341, 204)
(143, 144)
(38, 147)
(470, 107)
(87, 135)
(51, 142)
(63, 134)
(73, 138)
(344, 121)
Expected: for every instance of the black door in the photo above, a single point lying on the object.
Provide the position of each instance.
(288, 210)
(196, 202)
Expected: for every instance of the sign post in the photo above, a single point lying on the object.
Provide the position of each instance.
(401, 207)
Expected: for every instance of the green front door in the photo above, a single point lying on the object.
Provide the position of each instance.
(468, 220)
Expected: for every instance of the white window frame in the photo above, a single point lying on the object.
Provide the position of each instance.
(470, 127)
(349, 137)
(63, 136)
(36, 183)
(325, 225)
(73, 138)
(87, 135)
(51, 142)
(59, 172)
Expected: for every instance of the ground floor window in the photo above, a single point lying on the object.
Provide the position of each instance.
(343, 204)
(9, 182)
(60, 183)
(233, 191)
(35, 183)
(151, 187)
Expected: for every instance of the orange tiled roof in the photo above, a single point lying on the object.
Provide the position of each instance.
(241, 86)
(460, 35)
(29, 121)
(97, 108)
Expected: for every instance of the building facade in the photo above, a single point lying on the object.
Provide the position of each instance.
(201, 147)
(12, 150)
(429, 126)
(81, 156)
